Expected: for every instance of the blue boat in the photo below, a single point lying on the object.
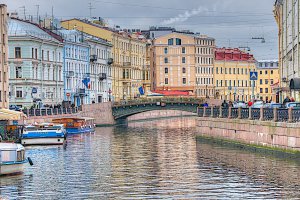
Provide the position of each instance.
(43, 134)
(77, 125)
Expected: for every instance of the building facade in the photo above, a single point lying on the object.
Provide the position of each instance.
(129, 65)
(287, 16)
(101, 69)
(183, 62)
(76, 67)
(36, 65)
(268, 80)
(128, 53)
(4, 73)
(232, 75)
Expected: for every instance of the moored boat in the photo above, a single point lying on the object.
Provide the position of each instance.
(43, 134)
(77, 125)
(12, 158)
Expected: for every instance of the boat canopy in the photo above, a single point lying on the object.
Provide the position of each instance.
(6, 114)
(11, 147)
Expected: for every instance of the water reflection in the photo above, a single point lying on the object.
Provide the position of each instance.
(150, 160)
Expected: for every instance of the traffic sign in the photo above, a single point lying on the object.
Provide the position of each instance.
(253, 76)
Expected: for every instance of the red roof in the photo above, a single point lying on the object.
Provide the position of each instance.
(229, 54)
(172, 92)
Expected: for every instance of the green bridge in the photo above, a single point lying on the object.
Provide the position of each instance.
(123, 110)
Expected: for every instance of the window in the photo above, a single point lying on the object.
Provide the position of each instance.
(260, 81)
(166, 70)
(178, 41)
(32, 53)
(183, 49)
(261, 90)
(17, 52)
(19, 92)
(170, 41)
(229, 70)
(42, 54)
(166, 50)
(183, 80)
(266, 90)
(18, 72)
(217, 70)
(48, 55)
(166, 60)
(183, 59)
(271, 71)
(166, 81)
(266, 81)
(266, 72)
(260, 72)
(272, 81)
(183, 70)
(36, 54)
(271, 64)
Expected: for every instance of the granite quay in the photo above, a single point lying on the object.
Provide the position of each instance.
(275, 129)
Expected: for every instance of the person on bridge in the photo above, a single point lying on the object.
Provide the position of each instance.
(250, 103)
(286, 100)
(224, 104)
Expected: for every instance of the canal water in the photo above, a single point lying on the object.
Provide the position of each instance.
(159, 159)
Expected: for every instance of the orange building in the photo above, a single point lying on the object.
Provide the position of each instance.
(183, 62)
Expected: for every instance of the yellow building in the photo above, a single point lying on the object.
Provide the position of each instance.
(129, 68)
(268, 80)
(183, 62)
(3, 58)
(232, 74)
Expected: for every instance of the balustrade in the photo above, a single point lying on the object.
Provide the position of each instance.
(282, 115)
(234, 113)
(268, 114)
(216, 112)
(244, 113)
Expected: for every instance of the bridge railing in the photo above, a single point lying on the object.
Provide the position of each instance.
(160, 99)
(262, 114)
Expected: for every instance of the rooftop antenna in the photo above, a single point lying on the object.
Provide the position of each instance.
(37, 13)
(24, 11)
(91, 8)
(245, 48)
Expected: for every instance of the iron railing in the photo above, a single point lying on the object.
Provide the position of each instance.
(50, 111)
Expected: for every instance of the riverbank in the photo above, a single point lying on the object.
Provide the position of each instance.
(261, 135)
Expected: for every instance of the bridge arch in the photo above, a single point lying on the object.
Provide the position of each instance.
(124, 111)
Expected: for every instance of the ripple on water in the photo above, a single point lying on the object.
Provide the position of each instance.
(150, 160)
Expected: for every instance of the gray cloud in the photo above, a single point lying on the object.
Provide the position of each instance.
(232, 22)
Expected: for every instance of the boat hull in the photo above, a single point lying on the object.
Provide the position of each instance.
(14, 168)
(42, 141)
(71, 131)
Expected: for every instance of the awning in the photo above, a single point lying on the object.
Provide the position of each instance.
(6, 114)
(295, 84)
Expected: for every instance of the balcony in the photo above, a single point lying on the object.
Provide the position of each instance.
(110, 61)
(80, 91)
(93, 58)
(69, 74)
(102, 76)
(127, 64)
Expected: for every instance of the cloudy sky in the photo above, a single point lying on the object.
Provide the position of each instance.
(232, 22)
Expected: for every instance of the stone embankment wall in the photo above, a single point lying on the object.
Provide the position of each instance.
(102, 113)
(280, 135)
(159, 114)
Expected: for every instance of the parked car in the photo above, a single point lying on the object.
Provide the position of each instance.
(273, 105)
(14, 107)
(292, 105)
(239, 104)
(257, 104)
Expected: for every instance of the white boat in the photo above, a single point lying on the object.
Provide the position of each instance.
(12, 158)
(43, 134)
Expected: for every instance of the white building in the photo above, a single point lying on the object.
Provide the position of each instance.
(76, 67)
(287, 16)
(101, 70)
(36, 65)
